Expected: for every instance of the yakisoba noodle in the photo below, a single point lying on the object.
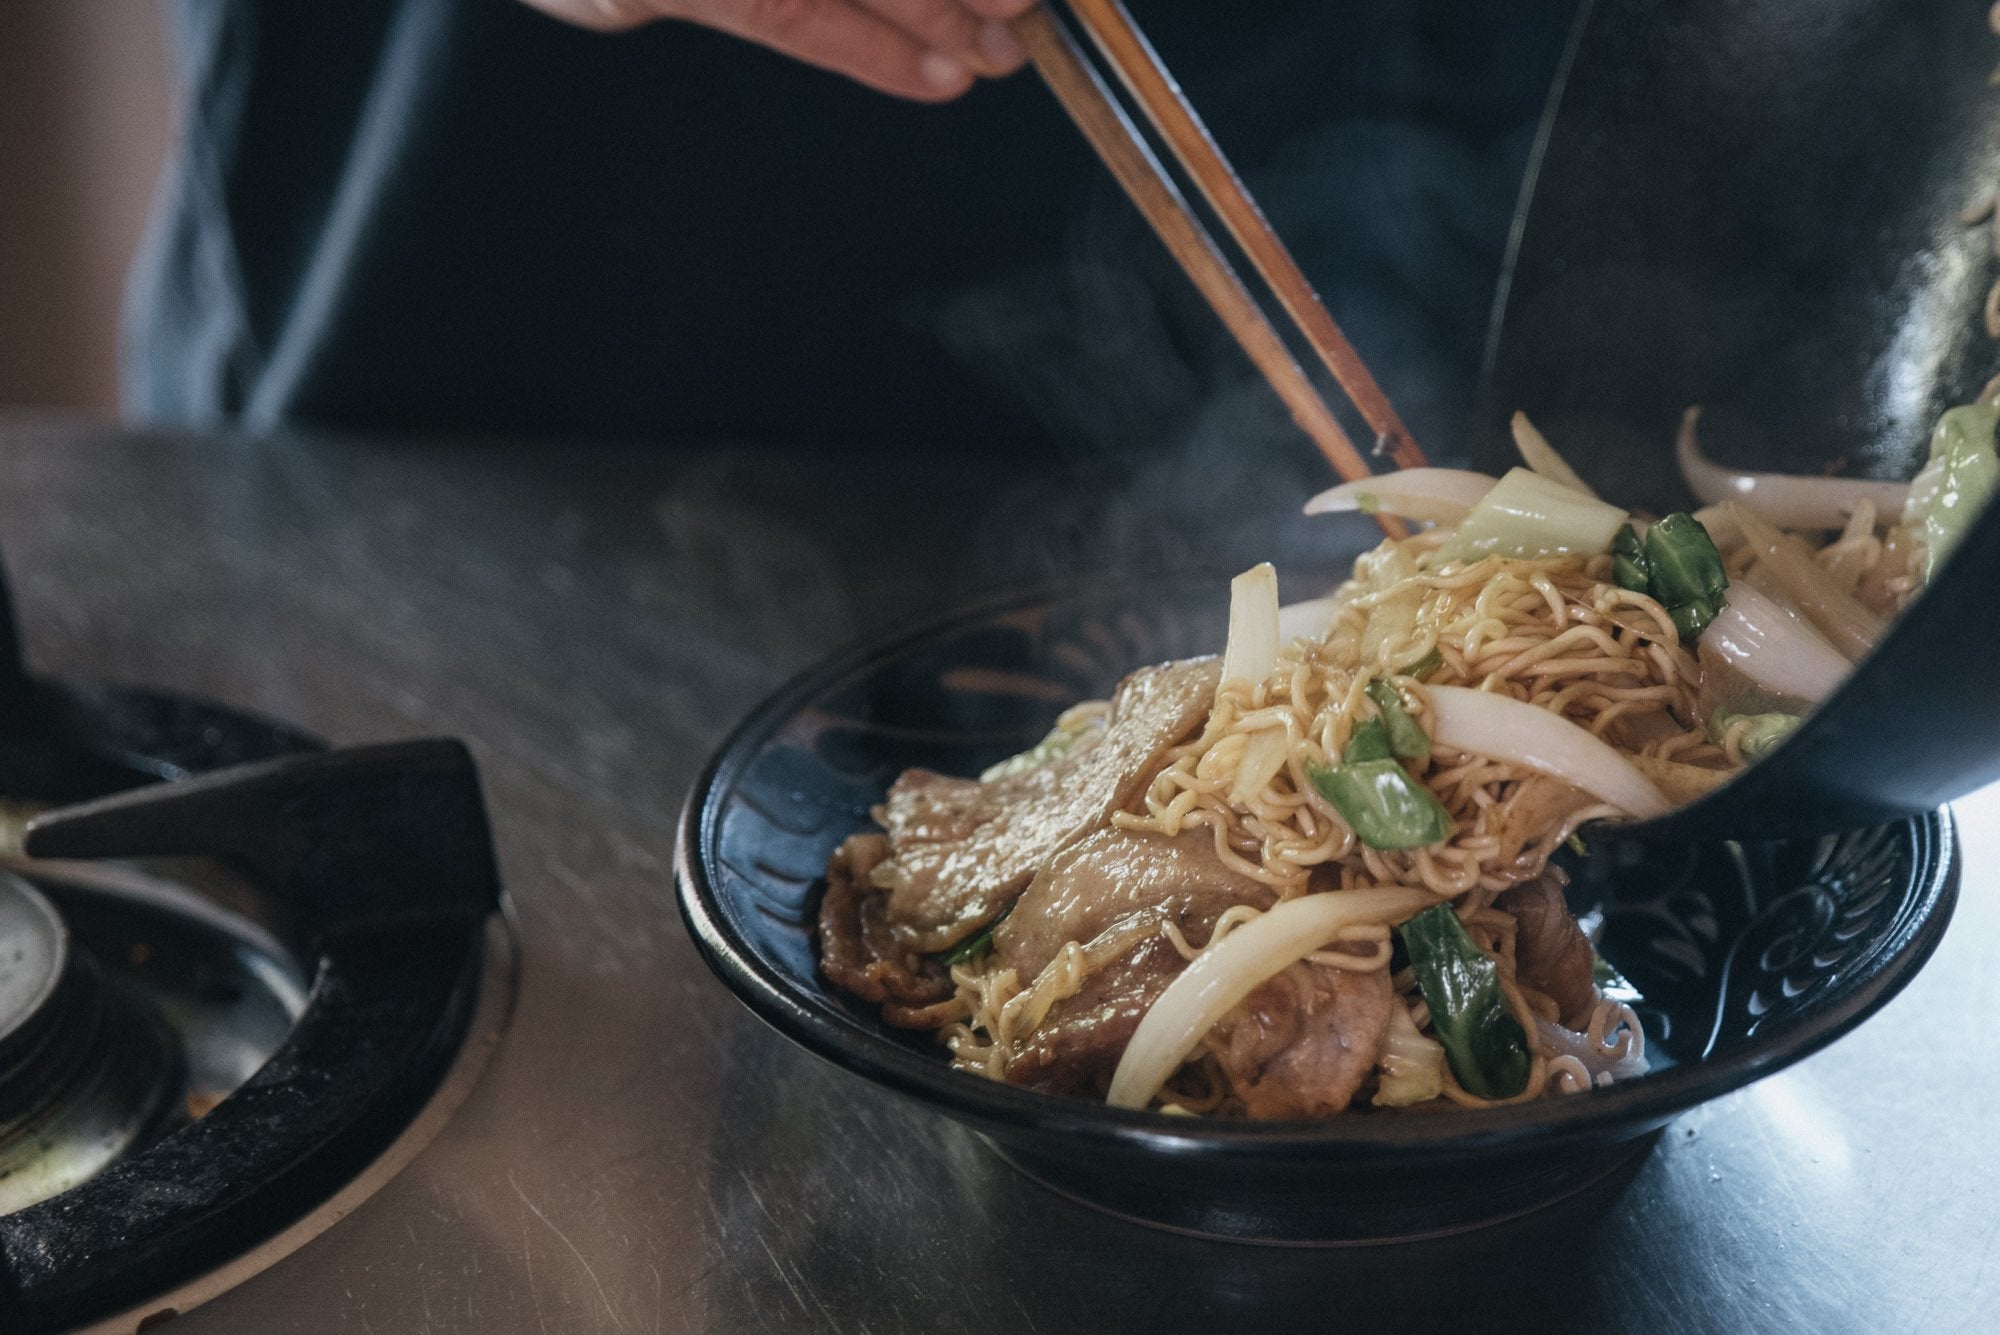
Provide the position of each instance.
(1378, 757)
(1554, 633)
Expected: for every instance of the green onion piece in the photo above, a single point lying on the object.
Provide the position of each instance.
(1577, 846)
(1483, 1041)
(973, 944)
(1685, 572)
(1380, 802)
(1369, 742)
(1681, 561)
(1407, 739)
(967, 948)
(1628, 561)
(1691, 619)
(1422, 667)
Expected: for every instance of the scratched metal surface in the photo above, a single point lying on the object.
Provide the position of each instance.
(641, 1155)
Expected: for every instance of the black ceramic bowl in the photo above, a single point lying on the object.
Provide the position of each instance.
(1751, 956)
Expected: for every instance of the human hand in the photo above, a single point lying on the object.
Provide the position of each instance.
(926, 50)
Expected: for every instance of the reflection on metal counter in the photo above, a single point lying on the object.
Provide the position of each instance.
(641, 1154)
(242, 979)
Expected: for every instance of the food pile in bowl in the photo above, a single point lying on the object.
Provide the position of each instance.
(1324, 874)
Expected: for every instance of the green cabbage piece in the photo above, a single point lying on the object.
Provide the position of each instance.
(1765, 730)
(1951, 490)
(1060, 742)
(1411, 1069)
(1527, 515)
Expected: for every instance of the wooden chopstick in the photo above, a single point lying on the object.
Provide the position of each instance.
(1097, 113)
(1140, 69)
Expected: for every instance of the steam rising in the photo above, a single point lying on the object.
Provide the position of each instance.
(1174, 454)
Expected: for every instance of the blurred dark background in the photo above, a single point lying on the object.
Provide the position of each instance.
(458, 215)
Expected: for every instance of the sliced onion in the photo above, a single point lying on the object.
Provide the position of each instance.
(1678, 781)
(1262, 759)
(1838, 614)
(1481, 723)
(1773, 646)
(1234, 967)
(1310, 620)
(1621, 1055)
(1252, 651)
(1428, 495)
(1786, 500)
(1539, 455)
(1720, 521)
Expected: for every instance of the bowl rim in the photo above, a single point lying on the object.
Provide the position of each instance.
(1624, 1109)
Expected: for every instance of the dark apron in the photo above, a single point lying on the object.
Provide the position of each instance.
(460, 215)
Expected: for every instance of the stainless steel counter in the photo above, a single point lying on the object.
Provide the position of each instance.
(643, 1156)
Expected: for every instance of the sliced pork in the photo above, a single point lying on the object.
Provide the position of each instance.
(1304, 1043)
(858, 949)
(1102, 879)
(961, 850)
(1551, 953)
(1110, 886)
(1078, 1043)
